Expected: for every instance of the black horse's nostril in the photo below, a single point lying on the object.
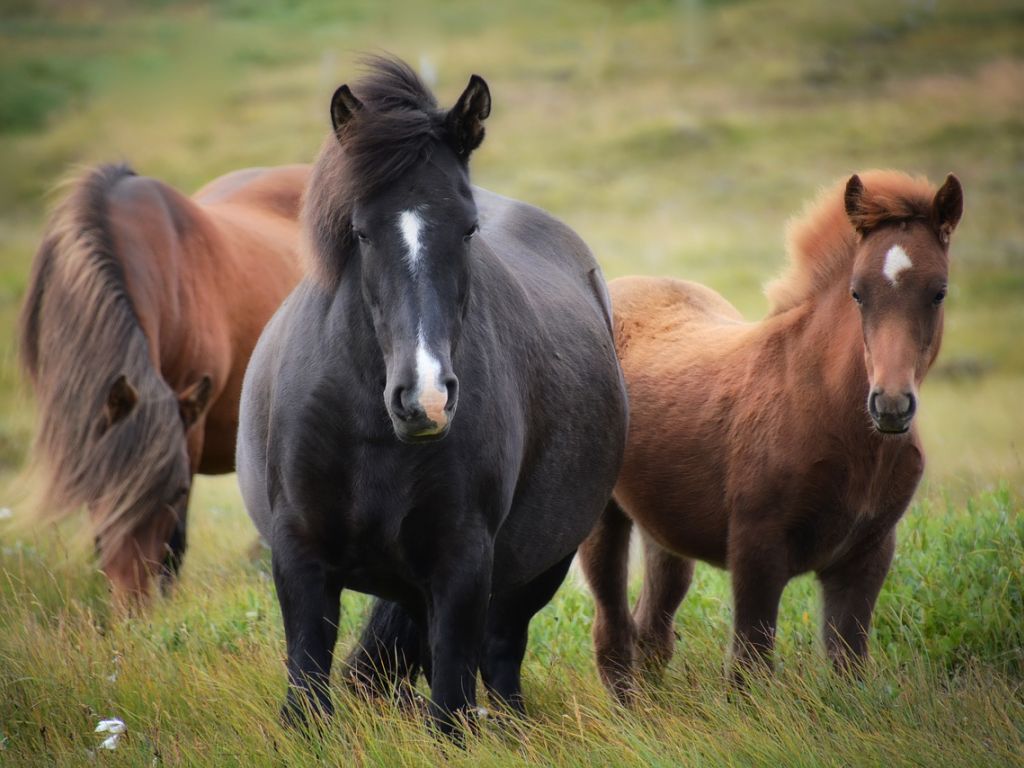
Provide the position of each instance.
(399, 407)
(451, 384)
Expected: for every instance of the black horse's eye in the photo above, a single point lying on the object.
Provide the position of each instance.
(470, 232)
(360, 235)
(856, 296)
(939, 297)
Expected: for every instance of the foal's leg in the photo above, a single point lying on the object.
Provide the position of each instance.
(310, 601)
(850, 589)
(759, 576)
(604, 558)
(460, 588)
(666, 581)
(508, 622)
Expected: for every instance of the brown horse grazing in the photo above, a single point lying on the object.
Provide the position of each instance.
(142, 309)
(780, 447)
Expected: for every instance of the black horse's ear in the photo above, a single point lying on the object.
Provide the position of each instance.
(949, 207)
(344, 106)
(854, 198)
(121, 399)
(465, 120)
(193, 400)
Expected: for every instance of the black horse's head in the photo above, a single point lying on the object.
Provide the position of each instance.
(412, 234)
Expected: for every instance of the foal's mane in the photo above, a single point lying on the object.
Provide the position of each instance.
(78, 331)
(399, 124)
(821, 241)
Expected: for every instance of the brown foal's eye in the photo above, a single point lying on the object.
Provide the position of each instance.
(939, 297)
(855, 296)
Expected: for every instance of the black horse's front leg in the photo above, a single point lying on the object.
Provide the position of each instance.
(508, 624)
(459, 596)
(310, 601)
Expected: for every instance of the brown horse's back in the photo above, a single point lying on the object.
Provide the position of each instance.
(253, 214)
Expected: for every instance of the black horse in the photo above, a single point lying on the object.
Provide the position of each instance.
(440, 297)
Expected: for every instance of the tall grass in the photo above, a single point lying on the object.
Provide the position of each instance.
(198, 680)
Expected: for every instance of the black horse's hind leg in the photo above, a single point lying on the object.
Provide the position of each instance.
(508, 622)
(310, 601)
(391, 651)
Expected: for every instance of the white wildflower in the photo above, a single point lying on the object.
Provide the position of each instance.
(111, 742)
(5, 513)
(113, 725)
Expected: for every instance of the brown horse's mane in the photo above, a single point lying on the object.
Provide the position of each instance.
(821, 241)
(78, 331)
(398, 125)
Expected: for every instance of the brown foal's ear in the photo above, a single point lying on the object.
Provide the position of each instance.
(194, 399)
(854, 198)
(465, 121)
(344, 106)
(949, 207)
(121, 399)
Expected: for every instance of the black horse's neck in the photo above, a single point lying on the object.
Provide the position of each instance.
(355, 326)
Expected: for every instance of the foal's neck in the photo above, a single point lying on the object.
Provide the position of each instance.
(828, 344)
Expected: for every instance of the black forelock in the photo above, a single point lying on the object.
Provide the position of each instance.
(399, 125)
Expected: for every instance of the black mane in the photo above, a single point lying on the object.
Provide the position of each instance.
(399, 124)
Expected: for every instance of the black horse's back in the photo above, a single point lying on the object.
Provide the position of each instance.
(437, 415)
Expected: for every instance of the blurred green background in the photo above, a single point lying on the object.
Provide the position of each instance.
(677, 137)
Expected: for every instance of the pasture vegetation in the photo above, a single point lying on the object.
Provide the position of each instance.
(676, 137)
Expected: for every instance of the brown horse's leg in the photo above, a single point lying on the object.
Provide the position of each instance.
(604, 558)
(758, 578)
(666, 581)
(850, 589)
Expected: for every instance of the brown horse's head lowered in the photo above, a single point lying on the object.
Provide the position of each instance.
(899, 283)
(111, 433)
(139, 317)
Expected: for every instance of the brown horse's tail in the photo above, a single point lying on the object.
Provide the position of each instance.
(78, 336)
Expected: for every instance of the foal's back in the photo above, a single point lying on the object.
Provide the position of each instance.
(686, 353)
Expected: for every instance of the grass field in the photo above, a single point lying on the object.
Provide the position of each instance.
(677, 138)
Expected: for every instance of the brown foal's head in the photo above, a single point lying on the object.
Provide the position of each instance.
(899, 283)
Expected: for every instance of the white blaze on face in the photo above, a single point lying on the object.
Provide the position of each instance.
(430, 392)
(896, 262)
(411, 225)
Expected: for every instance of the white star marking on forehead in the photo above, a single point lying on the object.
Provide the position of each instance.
(896, 262)
(410, 224)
